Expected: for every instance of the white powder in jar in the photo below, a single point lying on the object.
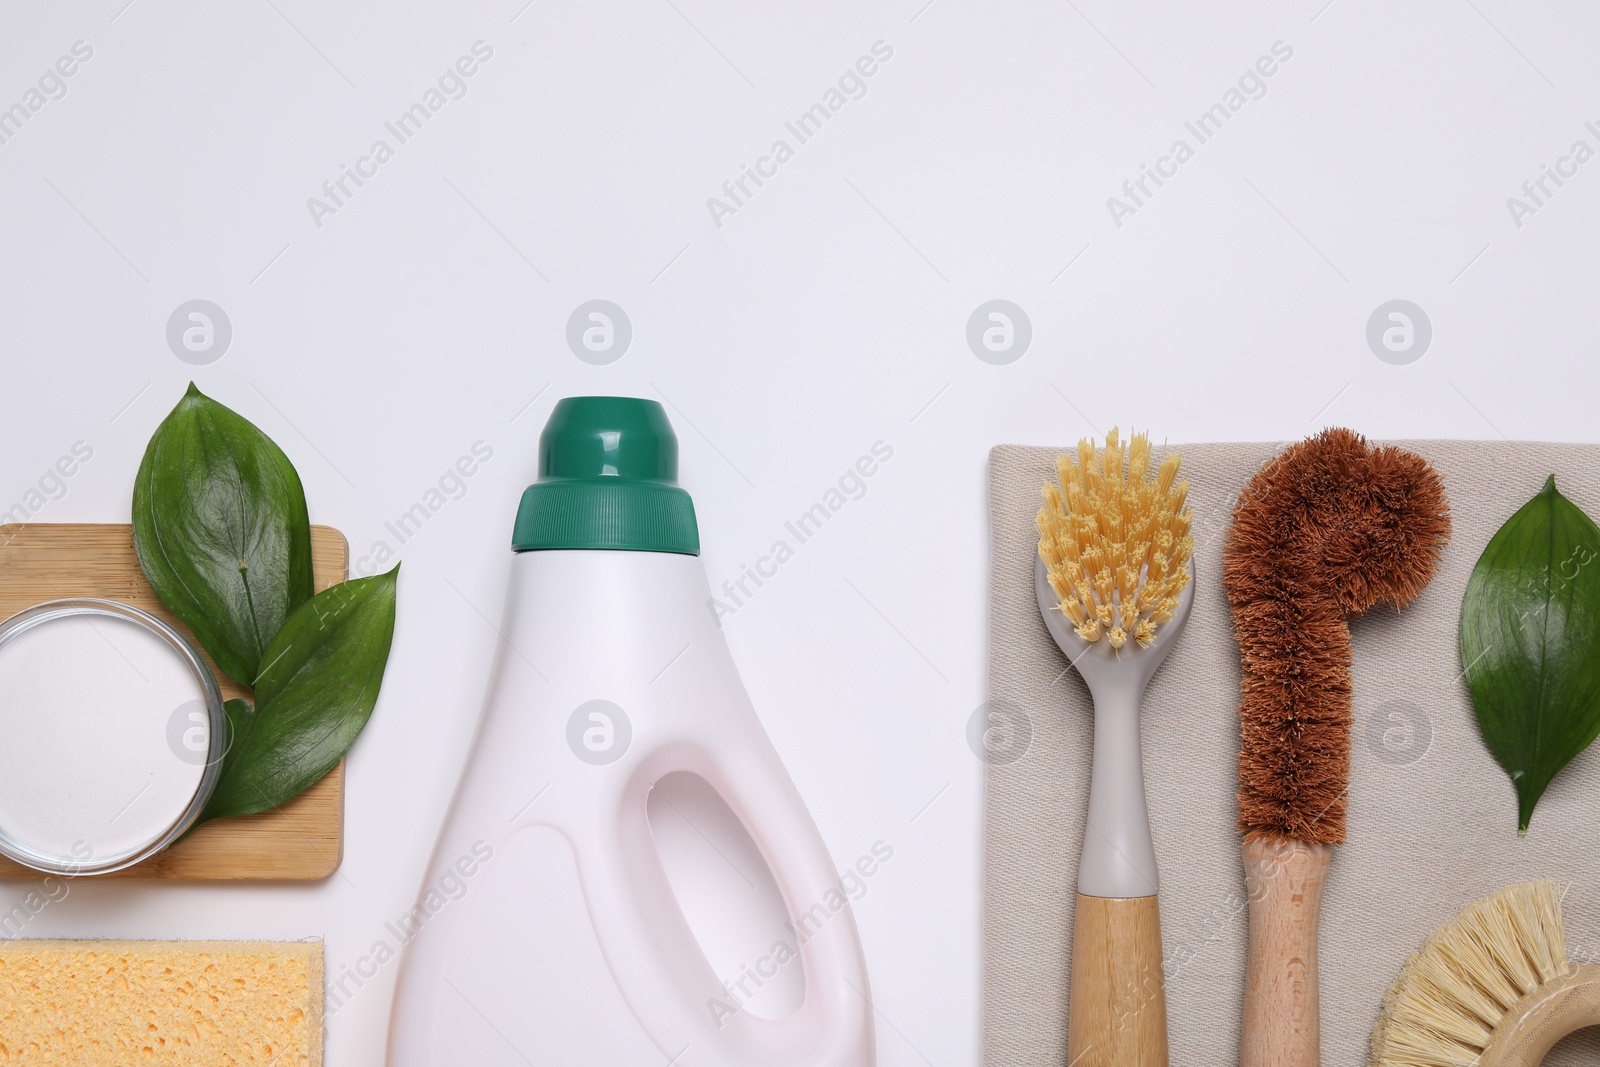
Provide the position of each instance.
(104, 734)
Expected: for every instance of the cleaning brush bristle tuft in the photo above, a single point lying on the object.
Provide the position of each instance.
(1467, 976)
(1324, 531)
(1115, 542)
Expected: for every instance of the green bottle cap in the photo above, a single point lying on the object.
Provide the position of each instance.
(608, 478)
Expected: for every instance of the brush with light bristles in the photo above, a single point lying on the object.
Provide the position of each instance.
(1114, 581)
(1492, 987)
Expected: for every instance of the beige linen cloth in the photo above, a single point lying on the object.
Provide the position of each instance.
(1432, 821)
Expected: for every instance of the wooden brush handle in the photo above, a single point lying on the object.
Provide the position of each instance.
(1285, 880)
(1117, 1009)
(1543, 1017)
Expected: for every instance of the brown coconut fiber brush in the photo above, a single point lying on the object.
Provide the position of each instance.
(1326, 530)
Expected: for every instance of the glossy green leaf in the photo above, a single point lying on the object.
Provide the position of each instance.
(319, 681)
(1530, 642)
(221, 531)
(240, 717)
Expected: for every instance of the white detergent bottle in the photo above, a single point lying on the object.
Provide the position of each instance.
(547, 931)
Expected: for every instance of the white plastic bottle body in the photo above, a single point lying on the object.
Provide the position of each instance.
(564, 943)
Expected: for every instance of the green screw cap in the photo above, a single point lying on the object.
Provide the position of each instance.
(608, 478)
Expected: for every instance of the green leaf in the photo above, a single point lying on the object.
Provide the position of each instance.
(221, 531)
(240, 718)
(1530, 641)
(319, 681)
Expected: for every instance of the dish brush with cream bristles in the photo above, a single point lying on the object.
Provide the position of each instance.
(1114, 582)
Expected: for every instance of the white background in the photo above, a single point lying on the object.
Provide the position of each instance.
(829, 312)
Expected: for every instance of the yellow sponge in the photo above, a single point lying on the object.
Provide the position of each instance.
(170, 1002)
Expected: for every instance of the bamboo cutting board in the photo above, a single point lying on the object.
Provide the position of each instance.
(303, 839)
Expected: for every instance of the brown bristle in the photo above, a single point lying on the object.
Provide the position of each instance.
(1327, 529)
